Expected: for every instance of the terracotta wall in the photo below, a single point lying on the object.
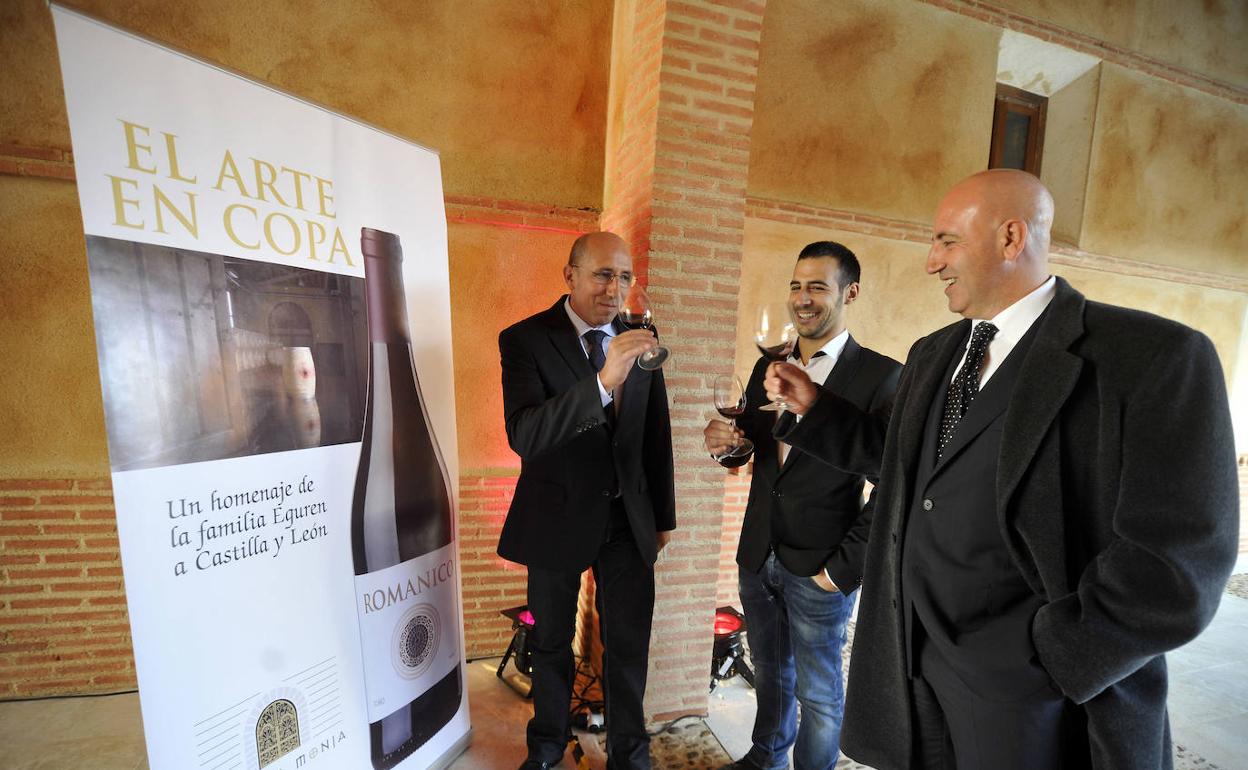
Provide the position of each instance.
(442, 74)
(870, 105)
(51, 414)
(1168, 181)
(1205, 37)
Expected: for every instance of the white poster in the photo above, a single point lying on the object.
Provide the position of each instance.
(223, 224)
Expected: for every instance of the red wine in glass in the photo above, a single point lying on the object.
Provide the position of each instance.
(777, 352)
(635, 313)
(730, 403)
(776, 336)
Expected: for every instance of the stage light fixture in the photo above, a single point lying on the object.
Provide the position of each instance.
(518, 651)
(728, 654)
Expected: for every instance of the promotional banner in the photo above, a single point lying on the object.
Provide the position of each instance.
(272, 318)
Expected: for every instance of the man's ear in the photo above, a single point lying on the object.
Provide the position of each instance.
(1013, 238)
(851, 292)
(567, 276)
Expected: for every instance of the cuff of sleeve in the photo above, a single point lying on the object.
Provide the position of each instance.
(603, 393)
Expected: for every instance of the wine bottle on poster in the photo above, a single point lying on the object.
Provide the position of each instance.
(402, 534)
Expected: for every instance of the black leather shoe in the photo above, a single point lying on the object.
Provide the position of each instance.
(533, 764)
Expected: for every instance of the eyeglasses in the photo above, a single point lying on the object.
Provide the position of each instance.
(605, 277)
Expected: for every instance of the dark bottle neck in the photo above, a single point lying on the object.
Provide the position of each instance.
(383, 285)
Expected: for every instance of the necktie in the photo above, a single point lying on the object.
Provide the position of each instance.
(593, 340)
(965, 385)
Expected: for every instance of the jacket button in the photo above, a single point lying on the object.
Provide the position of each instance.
(894, 537)
(606, 493)
(894, 604)
(928, 504)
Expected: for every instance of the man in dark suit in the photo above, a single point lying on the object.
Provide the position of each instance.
(1057, 509)
(595, 491)
(805, 531)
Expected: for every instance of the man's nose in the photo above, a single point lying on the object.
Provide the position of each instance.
(933, 265)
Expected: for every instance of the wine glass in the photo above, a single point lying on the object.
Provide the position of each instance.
(730, 403)
(776, 336)
(635, 313)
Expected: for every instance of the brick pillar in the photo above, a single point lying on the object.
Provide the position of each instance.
(688, 108)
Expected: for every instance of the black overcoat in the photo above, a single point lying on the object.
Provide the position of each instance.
(1117, 499)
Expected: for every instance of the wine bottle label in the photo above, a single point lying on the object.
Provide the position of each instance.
(409, 629)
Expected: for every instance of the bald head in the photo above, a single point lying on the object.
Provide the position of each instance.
(1004, 194)
(593, 256)
(990, 241)
(592, 243)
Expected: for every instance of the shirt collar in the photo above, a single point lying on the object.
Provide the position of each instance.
(1013, 322)
(581, 327)
(832, 349)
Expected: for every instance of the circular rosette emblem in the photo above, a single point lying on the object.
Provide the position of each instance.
(415, 640)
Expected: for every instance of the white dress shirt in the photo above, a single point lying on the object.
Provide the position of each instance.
(581, 328)
(820, 365)
(1012, 323)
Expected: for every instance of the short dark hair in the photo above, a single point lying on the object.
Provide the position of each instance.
(848, 269)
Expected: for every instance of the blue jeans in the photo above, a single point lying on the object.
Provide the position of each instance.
(796, 631)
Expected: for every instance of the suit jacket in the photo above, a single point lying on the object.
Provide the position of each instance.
(574, 459)
(1117, 498)
(810, 512)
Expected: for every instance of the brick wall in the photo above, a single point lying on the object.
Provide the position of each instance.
(736, 494)
(46, 162)
(489, 583)
(63, 621)
(705, 114)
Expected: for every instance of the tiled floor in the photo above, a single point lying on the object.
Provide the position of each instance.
(1208, 712)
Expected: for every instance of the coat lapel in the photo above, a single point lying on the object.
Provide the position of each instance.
(929, 368)
(563, 338)
(983, 411)
(1048, 377)
(837, 381)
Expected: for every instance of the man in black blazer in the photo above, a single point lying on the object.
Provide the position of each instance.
(1057, 509)
(805, 530)
(595, 491)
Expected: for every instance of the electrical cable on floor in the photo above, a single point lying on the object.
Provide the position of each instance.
(672, 724)
(68, 696)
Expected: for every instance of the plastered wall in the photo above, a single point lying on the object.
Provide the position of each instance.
(1206, 37)
(513, 95)
(1069, 127)
(51, 414)
(498, 276)
(1168, 180)
(870, 105)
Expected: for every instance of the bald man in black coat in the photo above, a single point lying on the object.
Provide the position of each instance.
(1049, 523)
